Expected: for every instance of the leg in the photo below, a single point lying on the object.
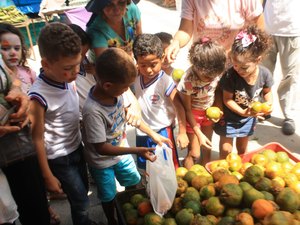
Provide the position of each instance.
(193, 154)
(109, 211)
(206, 153)
(289, 87)
(27, 187)
(242, 144)
(225, 146)
(71, 172)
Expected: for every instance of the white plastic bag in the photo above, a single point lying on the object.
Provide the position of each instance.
(162, 183)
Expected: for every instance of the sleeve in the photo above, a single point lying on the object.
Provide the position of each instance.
(188, 9)
(185, 85)
(96, 35)
(227, 82)
(252, 9)
(94, 126)
(169, 83)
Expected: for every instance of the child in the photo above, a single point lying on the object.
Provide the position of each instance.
(245, 82)
(55, 118)
(156, 94)
(197, 91)
(104, 112)
(14, 54)
(166, 39)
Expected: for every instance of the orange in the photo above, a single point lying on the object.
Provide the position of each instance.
(290, 178)
(295, 186)
(265, 107)
(259, 159)
(244, 167)
(282, 157)
(177, 74)
(233, 157)
(235, 165)
(256, 107)
(279, 180)
(181, 171)
(273, 169)
(213, 113)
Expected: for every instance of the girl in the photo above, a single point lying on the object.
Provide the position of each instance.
(197, 91)
(244, 83)
(14, 54)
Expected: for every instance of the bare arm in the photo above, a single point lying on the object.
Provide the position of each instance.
(109, 149)
(181, 38)
(37, 117)
(182, 138)
(203, 140)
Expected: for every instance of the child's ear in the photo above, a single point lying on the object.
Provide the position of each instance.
(45, 64)
(107, 85)
(259, 59)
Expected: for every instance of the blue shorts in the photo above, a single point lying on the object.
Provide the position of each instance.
(146, 141)
(124, 171)
(243, 128)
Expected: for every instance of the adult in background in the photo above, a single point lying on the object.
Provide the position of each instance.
(220, 20)
(282, 22)
(114, 23)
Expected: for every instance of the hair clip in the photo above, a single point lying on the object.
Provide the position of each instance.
(247, 39)
(204, 40)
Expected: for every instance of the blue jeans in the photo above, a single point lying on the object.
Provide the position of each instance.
(71, 171)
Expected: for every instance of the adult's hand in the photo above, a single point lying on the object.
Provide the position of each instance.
(17, 97)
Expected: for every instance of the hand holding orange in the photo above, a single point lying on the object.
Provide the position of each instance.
(177, 74)
(214, 113)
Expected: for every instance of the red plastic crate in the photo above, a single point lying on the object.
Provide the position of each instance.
(276, 147)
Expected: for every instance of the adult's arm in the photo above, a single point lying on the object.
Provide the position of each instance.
(181, 38)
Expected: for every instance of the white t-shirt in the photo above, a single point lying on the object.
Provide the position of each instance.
(220, 19)
(60, 100)
(156, 106)
(282, 17)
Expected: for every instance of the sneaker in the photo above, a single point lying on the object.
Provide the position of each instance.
(288, 127)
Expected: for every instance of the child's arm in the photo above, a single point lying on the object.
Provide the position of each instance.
(234, 107)
(268, 97)
(37, 117)
(182, 138)
(203, 140)
(109, 149)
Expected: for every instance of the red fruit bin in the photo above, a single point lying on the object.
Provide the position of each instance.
(276, 147)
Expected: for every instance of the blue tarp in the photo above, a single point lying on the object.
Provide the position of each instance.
(28, 6)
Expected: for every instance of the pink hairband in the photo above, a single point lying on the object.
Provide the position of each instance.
(247, 39)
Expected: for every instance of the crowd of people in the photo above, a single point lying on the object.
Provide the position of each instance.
(70, 120)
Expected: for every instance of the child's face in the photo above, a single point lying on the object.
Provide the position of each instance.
(11, 49)
(244, 65)
(117, 89)
(149, 66)
(65, 69)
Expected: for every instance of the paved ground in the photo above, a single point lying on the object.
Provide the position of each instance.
(156, 19)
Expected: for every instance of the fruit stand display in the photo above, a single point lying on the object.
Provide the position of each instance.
(262, 188)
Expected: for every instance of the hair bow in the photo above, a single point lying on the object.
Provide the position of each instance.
(247, 39)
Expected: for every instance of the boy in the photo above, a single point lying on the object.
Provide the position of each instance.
(156, 94)
(104, 120)
(55, 118)
(166, 40)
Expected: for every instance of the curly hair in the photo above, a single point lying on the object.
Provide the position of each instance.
(258, 47)
(115, 65)
(8, 28)
(207, 56)
(58, 40)
(147, 44)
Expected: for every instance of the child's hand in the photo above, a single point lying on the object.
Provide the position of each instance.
(133, 117)
(203, 140)
(217, 120)
(182, 140)
(53, 185)
(147, 153)
(158, 139)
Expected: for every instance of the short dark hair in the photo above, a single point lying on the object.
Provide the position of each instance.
(58, 40)
(8, 28)
(165, 37)
(208, 56)
(115, 65)
(85, 39)
(147, 44)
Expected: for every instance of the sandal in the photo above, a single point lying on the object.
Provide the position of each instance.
(54, 218)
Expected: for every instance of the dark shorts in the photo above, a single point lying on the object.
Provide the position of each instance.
(242, 128)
